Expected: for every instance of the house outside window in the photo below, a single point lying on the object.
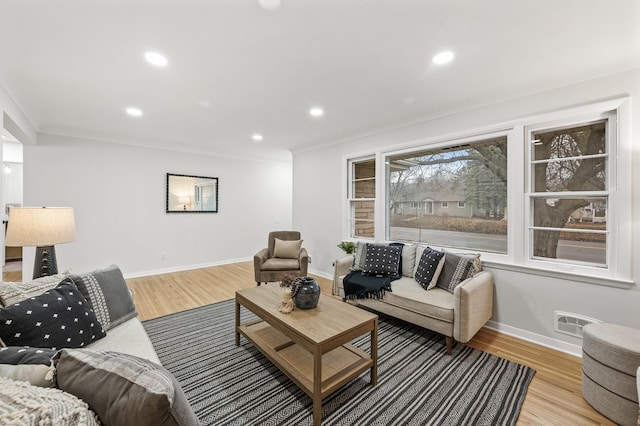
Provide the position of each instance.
(362, 197)
(444, 204)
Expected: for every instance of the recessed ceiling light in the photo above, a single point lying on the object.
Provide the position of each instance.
(316, 112)
(443, 58)
(257, 137)
(155, 58)
(134, 112)
(270, 4)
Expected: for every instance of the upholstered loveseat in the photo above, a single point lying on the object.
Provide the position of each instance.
(74, 344)
(456, 310)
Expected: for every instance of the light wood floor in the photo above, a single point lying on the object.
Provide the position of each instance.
(554, 396)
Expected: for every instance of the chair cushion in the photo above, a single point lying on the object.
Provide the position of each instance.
(287, 249)
(277, 264)
(435, 303)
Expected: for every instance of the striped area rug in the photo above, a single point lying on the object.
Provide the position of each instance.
(418, 383)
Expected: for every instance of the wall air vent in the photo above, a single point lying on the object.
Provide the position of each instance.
(571, 324)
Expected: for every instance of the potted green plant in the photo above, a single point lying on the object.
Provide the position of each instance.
(349, 247)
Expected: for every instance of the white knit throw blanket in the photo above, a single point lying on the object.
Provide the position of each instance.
(24, 404)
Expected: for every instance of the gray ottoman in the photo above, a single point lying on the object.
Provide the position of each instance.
(610, 359)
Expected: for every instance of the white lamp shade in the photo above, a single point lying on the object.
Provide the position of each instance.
(40, 226)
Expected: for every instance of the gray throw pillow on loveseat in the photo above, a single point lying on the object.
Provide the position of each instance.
(108, 294)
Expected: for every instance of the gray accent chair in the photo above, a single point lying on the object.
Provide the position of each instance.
(271, 269)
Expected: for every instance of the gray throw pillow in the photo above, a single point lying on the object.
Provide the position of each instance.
(429, 268)
(361, 254)
(108, 294)
(132, 391)
(456, 269)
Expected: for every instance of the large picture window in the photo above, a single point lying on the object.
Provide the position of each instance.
(423, 184)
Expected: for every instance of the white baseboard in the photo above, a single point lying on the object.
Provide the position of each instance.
(185, 268)
(538, 339)
(320, 274)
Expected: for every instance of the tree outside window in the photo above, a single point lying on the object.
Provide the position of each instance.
(569, 194)
(470, 175)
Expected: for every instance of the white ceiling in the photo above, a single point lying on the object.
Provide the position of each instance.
(73, 66)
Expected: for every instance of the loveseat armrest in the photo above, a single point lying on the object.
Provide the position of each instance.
(341, 268)
(472, 305)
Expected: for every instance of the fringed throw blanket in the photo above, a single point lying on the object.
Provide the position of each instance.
(360, 286)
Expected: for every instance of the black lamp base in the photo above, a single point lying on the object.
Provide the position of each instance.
(45, 262)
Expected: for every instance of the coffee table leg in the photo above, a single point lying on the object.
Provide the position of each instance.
(317, 386)
(374, 353)
(237, 323)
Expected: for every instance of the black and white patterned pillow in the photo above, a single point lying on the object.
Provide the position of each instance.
(382, 260)
(429, 268)
(58, 318)
(108, 295)
(456, 269)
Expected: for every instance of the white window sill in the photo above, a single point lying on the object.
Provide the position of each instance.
(587, 279)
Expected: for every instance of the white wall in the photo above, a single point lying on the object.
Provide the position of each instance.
(118, 195)
(524, 303)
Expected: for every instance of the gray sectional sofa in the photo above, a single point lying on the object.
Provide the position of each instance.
(74, 343)
(456, 313)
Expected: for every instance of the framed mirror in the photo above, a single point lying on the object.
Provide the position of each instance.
(191, 194)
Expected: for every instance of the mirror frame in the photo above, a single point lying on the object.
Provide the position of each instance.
(214, 182)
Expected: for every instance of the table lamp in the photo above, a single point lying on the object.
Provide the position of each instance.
(41, 227)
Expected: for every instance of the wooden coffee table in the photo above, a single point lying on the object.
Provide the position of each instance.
(310, 346)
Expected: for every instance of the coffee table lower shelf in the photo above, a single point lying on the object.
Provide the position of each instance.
(339, 365)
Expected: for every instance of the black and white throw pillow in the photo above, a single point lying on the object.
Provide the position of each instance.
(382, 260)
(456, 269)
(58, 318)
(108, 295)
(429, 268)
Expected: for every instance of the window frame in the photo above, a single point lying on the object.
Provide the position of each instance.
(613, 146)
(618, 272)
(350, 181)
